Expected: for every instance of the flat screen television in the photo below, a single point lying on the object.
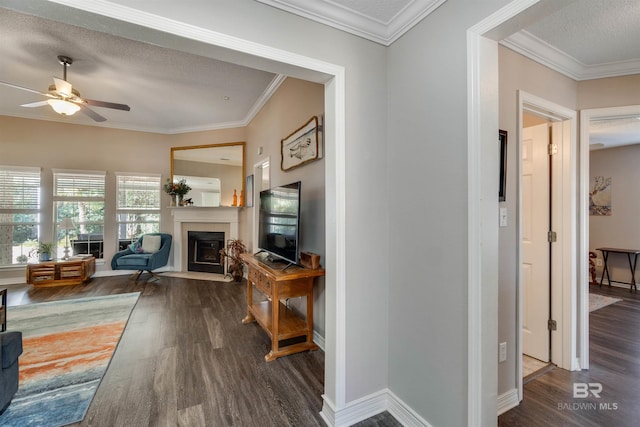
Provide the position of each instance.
(279, 222)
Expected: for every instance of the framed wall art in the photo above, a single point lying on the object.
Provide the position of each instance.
(302, 146)
(502, 192)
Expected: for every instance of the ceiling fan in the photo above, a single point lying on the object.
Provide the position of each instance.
(66, 100)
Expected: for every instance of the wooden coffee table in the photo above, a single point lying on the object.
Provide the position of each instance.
(61, 272)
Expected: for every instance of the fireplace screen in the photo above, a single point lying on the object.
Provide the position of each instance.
(204, 251)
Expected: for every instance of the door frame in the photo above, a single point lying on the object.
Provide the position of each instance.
(564, 209)
(583, 280)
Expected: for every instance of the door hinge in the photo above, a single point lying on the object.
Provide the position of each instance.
(552, 325)
(553, 149)
(552, 236)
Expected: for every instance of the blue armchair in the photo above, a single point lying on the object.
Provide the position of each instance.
(144, 255)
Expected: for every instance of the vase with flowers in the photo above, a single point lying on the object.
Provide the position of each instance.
(177, 190)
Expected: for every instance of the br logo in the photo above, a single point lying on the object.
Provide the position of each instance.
(582, 390)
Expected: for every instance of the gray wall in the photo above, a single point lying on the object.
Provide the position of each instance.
(428, 214)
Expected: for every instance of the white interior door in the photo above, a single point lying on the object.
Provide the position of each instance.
(535, 245)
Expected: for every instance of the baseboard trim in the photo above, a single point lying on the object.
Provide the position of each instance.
(369, 406)
(403, 412)
(318, 339)
(508, 400)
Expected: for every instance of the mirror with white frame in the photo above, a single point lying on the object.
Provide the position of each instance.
(214, 172)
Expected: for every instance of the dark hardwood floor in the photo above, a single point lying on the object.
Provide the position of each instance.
(185, 359)
(614, 363)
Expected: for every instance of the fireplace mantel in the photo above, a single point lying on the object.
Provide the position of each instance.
(191, 214)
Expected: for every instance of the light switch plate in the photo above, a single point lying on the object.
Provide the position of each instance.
(503, 217)
(502, 356)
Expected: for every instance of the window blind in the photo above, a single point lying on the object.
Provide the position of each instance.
(138, 192)
(78, 185)
(20, 187)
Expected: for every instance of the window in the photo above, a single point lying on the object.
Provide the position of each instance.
(79, 195)
(138, 206)
(19, 213)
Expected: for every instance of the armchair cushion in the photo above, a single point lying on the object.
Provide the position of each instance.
(137, 261)
(150, 243)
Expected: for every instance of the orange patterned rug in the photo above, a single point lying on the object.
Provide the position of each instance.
(67, 348)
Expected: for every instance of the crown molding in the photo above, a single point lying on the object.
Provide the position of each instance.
(353, 22)
(536, 49)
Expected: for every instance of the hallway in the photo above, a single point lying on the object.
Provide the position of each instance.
(615, 365)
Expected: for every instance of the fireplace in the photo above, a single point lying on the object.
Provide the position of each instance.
(204, 251)
(185, 219)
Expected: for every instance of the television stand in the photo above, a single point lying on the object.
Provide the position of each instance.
(278, 321)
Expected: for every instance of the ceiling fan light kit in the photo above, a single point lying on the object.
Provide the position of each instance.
(63, 107)
(65, 100)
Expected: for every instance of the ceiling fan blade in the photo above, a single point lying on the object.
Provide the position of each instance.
(63, 87)
(89, 112)
(35, 104)
(106, 104)
(26, 88)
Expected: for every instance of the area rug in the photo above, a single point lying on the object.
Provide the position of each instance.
(596, 301)
(67, 348)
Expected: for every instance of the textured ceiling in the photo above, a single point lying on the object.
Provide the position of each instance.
(168, 91)
(171, 91)
(594, 31)
(588, 39)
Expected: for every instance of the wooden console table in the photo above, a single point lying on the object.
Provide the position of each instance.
(61, 272)
(273, 316)
(632, 266)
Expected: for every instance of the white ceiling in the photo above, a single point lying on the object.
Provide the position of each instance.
(587, 39)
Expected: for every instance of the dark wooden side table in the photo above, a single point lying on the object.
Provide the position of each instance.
(632, 265)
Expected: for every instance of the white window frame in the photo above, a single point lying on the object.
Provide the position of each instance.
(32, 208)
(63, 198)
(156, 180)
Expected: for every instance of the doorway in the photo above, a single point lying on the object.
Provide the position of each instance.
(586, 117)
(547, 135)
(536, 246)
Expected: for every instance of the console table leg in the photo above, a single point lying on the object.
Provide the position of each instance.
(633, 271)
(605, 255)
(249, 317)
